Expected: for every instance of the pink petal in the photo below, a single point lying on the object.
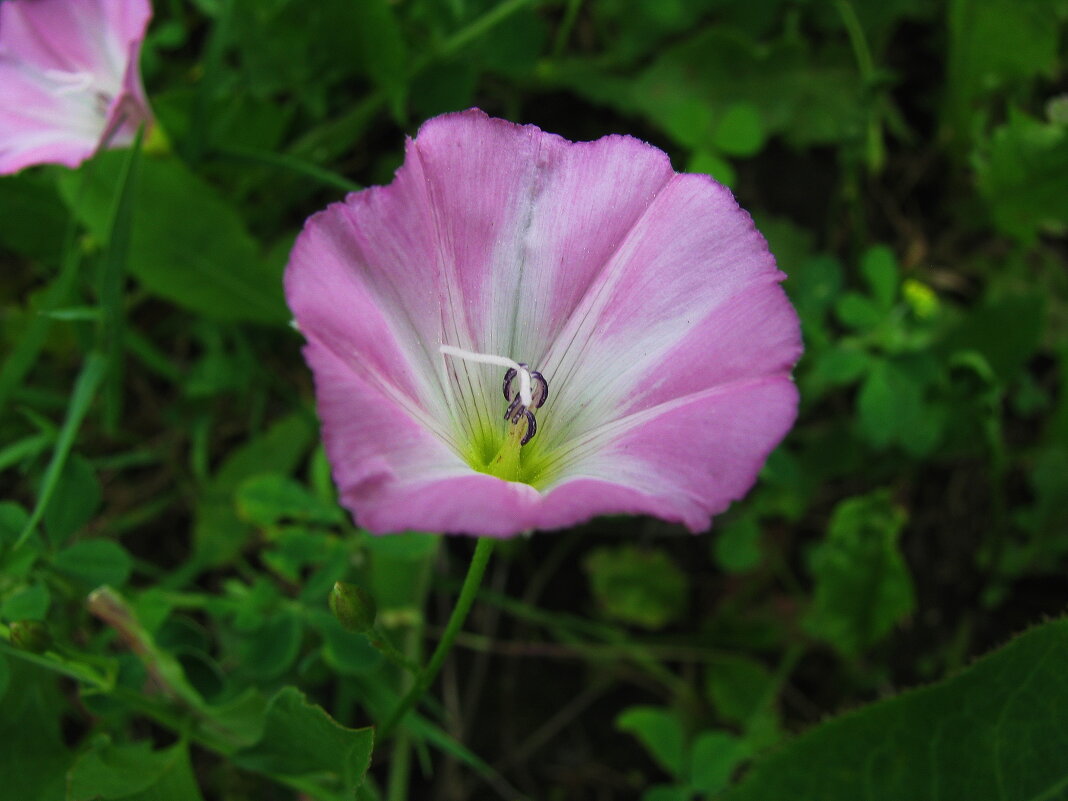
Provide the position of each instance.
(541, 217)
(685, 460)
(679, 308)
(86, 35)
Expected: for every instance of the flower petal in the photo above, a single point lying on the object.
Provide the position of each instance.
(89, 35)
(689, 301)
(38, 127)
(526, 220)
(684, 461)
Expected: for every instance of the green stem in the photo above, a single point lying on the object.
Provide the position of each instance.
(292, 163)
(563, 33)
(93, 370)
(468, 592)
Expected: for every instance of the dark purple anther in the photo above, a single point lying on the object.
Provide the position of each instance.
(515, 410)
(539, 389)
(507, 388)
(539, 393)
(532, 428)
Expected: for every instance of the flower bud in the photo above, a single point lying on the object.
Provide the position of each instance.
(353, 606)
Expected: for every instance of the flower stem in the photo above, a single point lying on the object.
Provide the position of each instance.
(475, 570)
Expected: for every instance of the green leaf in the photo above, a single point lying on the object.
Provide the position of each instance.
(218, 532)
(863, 586)
(739, 131)
(880, 271)
(1023, 176)
(95, 562)
(28, 603)
(382, 50)
(659, 730)
(267, 652)
(994, 43)
(75, 499)
(300, 740)
(33, 220)
(93, 369)
(666, 792)
(33, 759)
(295, 547)
(714, 758)
(713, 165)
(347, 653)
(892, 409)
(736, 545)
(1006, 331)
(838, 366)
(188, 245)
(698, 82)
(995, 732)
(638, 586)
(814, 286)
(739, 687)
(858, 311)
(267, 499)
(132, 773)
(12, 520)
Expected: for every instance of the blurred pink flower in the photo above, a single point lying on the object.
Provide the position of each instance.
(645, 303)
(69, 79)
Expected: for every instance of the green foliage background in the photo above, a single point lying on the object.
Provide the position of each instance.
(169, 534)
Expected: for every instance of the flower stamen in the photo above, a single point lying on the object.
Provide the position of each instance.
(532, 392)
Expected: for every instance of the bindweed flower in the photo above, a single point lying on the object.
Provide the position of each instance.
(70, 82)
(522, 332)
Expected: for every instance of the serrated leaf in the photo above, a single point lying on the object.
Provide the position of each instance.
(132, 773)
(995, 732)
(301, 740)
(863, 587)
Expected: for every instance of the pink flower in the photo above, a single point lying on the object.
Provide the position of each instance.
(645, 303)
(69, 79)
